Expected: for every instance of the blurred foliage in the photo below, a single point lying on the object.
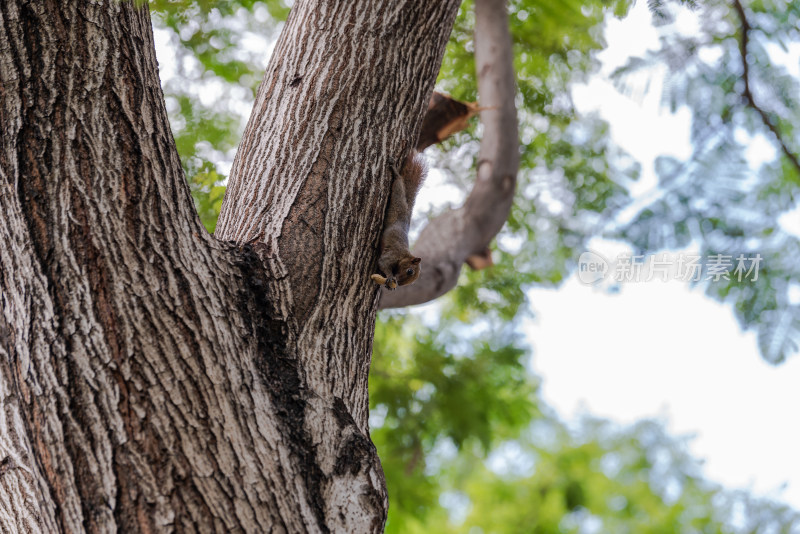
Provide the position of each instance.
(721, 200)
(465, 441)
(467, 446)
(218, 56)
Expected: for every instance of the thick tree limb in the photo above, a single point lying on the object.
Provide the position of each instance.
(343, 96)
(448, 240)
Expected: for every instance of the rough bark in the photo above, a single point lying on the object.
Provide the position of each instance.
(154, 378)
(449, 240)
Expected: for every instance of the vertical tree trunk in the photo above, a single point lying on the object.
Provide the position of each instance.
(153, 378)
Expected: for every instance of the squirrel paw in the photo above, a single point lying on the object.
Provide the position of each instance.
(391, 283)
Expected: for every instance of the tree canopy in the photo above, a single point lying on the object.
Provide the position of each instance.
(466, 443)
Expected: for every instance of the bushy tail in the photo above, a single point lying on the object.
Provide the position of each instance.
(413, 173)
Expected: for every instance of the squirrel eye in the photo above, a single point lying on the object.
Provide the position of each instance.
(410, 272)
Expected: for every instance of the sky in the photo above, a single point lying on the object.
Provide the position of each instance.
(660, 349)
(654, 349)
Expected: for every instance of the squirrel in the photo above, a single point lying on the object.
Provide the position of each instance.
(397, 266)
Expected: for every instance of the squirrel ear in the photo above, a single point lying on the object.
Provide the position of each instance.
(416, 261)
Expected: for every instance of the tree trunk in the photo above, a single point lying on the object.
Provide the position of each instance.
(154, 378)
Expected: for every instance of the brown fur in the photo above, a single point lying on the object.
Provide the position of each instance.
(397, 265)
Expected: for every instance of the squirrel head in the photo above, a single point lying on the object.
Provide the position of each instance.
(407, 270)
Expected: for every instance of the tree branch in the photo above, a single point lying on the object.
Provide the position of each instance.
(445, 117)
(747, 93)
(448, 240)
